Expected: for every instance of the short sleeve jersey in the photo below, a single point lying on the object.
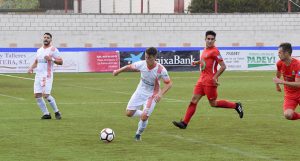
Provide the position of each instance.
(209, 60)
(45, 68)
(290, 73)
(150, 78)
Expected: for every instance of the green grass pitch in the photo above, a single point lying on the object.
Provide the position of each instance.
(90, 102)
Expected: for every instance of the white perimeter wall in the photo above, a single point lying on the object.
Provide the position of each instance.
(125, 30)
(123, 6)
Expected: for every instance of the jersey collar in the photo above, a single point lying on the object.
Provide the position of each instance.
(150, 68)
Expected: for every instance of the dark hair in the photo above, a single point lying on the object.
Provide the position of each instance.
(286, 47)
(151, 51)
(210, 33)
(47, 33)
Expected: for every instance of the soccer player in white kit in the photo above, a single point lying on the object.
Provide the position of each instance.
(43, 65)
(148, 92)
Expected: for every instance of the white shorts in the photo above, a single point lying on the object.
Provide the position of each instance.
(43, 85)
(137, 100)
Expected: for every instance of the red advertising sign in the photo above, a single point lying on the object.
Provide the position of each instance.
(103, 61)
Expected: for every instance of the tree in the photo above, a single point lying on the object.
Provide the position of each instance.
(19, 4)
(230, 6)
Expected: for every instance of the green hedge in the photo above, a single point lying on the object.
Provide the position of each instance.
(19, 4)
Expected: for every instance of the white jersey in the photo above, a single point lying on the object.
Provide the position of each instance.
(45, 68)
(150, 78)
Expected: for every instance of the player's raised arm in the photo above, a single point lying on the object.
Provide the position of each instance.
(123, 69)
(55, 57)
(58, 61)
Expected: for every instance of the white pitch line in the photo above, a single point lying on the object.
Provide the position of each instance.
(173, 78)
(226, 148)
(166, 98)
(98, 89)
(76, 103)
(126, 93)
(17, 98)
(254, 115)
(6, 75)
(174, 100)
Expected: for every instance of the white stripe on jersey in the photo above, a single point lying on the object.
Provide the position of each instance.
(213, 67)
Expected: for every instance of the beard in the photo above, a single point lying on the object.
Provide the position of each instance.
(46, 42)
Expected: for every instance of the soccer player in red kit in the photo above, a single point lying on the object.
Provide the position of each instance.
(289, 68)
(208, 81)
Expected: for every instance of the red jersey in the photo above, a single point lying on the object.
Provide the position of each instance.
(290, 73)
(209, 61)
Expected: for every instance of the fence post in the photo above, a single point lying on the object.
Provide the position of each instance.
(148, 6)
(216, 6)
(100, 6)
(289, 6)
(130, 4)
(142, 6)
(114, 6)
(79, 6)
(66, 6)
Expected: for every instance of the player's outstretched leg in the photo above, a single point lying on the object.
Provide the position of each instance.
(141, 127)
(180, 124)
(239, 109)
(188, 115)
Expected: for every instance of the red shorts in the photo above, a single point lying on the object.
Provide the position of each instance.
(290, 103)
(210, 91)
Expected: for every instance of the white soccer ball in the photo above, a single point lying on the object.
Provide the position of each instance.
(107, 135)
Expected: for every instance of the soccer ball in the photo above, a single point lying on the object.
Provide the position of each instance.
(107, 135)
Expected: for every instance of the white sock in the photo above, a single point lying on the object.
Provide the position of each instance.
(52, 103)
(41, 103)
(141, 126)
(137, 113)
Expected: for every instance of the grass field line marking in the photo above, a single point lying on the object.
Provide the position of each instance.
(126, 93)
(76, 103)
(17, 98)
(92, 78)
(120, 92)
(99, 89)
(226, 148)
(6, 75)
(164, 98)
(79, 103)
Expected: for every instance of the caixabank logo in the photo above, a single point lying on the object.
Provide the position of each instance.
(255, 60)
(171, 60)
(178, 60)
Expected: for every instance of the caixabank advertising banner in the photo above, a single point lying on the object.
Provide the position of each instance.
(171, 60)
(18, 60)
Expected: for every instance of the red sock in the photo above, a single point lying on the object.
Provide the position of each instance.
(225, 104)
(189, 112)
(296, 116)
